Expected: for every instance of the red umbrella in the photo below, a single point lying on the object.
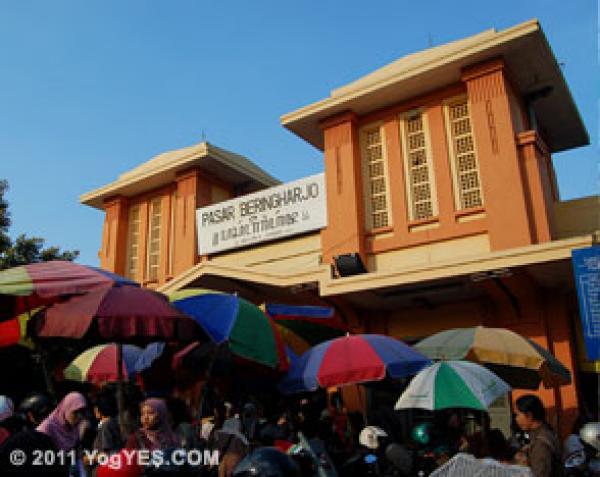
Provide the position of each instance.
(26, 287)
(123, 312)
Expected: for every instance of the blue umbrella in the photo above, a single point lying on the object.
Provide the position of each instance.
(149, 355)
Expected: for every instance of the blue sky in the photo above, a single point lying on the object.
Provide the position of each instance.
(90, 89)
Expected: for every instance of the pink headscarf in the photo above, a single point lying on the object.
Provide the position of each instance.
(63, 435)
(163, 436)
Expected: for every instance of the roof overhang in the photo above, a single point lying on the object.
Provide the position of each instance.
(525, 51)
(465, 266)
(548, 263)
(162, 170)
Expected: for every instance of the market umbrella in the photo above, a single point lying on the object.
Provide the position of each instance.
(452, 384)
(234, 323)
(518, 360)
(116, 313)
(303, 326)
(352, 359)
(26, 287)
(100, 364)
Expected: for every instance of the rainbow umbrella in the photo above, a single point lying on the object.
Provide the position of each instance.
(27, 287)
(304, 326)
(351, 360)
(235, 323)
(520, 361)
(100, 364)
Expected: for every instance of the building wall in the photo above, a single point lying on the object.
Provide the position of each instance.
(514, 166)
(543, 317)
(178, 241)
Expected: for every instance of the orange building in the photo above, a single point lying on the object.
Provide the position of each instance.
(439, 182)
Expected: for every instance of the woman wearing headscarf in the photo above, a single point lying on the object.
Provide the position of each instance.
(6, 412)
(156, 432)
(63, 424)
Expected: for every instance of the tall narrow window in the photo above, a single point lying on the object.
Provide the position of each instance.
(467, 184)
(375, 179)
(172, 212)
(133, 242)
(153, 248)
(419, 173)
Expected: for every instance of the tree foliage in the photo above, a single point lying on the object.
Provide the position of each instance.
(24, 249)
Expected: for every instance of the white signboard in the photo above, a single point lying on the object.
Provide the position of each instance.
(281, 211)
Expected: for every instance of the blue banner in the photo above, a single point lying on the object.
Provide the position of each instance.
(586, 264)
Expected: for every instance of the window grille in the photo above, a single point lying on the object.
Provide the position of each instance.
(154, 233)
(375, 180)
(133, 242)
(465, 166)
(418, 168)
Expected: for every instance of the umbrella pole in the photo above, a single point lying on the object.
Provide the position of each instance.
(209, 368)
(121, 389)
(47, 378)
(42, 362)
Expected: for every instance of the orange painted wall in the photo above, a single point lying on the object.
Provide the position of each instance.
(500, 172)
(516, 173)
(544, 318)
(178, 250)
(345, 209)
(114, 235)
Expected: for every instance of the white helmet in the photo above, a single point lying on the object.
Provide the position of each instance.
(369, 436)
(590, 434)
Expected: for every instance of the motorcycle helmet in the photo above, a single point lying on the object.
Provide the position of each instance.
(421, 433)
(590, 434)
(370, 436)
(37, 404)
(267, 462)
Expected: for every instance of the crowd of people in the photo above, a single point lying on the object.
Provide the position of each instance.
(308, 436)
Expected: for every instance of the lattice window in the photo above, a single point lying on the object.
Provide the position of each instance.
(154, 233)
(465, 166)
(133, 242)
(376, 200)
(172, 212)
(418, 168)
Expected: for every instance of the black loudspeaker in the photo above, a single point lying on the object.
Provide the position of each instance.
(349, 264)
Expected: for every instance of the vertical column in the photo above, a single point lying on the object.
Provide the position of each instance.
(502, 181)
(533, 155)
(562, 347)
(114, 240)
(441, 166)
(345, 208)
(185, 241)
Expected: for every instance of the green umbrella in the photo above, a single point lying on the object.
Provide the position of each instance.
(231, 321)
(453, 384)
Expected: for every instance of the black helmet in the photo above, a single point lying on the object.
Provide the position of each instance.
(267, 462)
(37, 404)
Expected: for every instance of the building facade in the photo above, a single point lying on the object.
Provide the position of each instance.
(440, 194)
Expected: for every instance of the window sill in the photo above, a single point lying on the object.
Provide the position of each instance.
(467, 212)
(427, 221)
(378, 231)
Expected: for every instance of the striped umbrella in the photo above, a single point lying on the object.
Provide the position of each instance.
(304, 326)
(453, 384)
(235, 323)
(351, 360)
(518, 360)
(100, 364)
(29, 286)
